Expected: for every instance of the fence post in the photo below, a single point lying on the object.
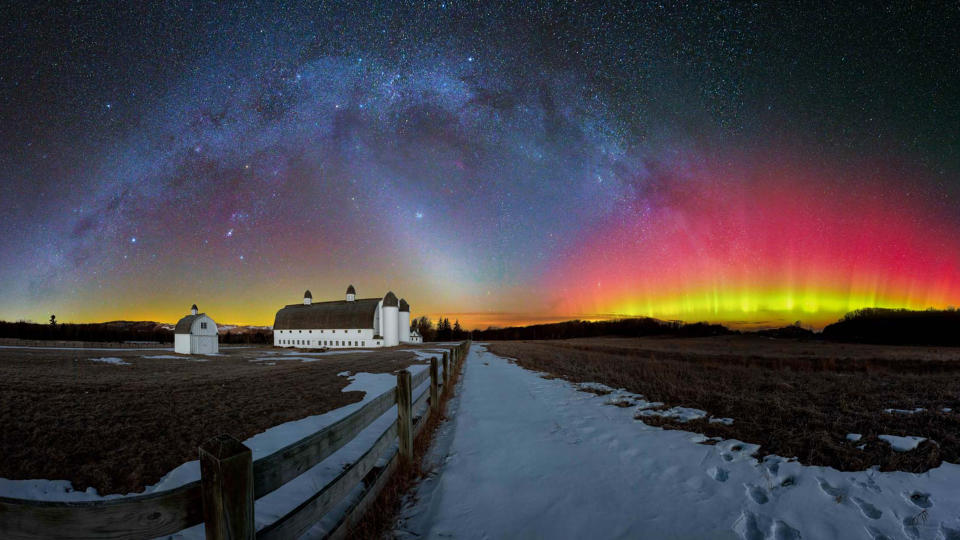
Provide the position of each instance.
(446, 371)
(226, 483)
(434, 386)
(405, 415)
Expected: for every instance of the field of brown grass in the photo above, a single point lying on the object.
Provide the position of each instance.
(119, 428)
(794, 398)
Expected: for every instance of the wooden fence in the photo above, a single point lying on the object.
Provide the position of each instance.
(223, 499)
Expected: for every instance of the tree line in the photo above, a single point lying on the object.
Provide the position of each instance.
(442, 331)
(620, 327)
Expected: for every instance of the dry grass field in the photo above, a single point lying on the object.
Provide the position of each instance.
(119, 428)
(794, 398)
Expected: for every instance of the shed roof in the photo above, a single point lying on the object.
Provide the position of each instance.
(337, 314)
(185, 324)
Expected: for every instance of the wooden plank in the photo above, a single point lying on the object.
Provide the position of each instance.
(141, 516)
(404, 415)
(308, 513)
(421, 420)
(375, 481)
(420, 378)
(446, 368)
(434, 385)
(271, 472)
(226, 481)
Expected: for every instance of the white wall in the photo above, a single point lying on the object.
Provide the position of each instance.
(391, 321)
(404, 327)
(181, 343)
(331, 339)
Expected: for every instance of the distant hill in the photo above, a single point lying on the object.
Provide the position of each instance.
(119, 331)
(794, 331)
(897, 327)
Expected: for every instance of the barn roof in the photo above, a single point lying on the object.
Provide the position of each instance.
(338, 314)
(184, 324)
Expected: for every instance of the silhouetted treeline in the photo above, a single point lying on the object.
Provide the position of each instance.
(897, 327)
(621, 327)
(114, 332)
(443, 331)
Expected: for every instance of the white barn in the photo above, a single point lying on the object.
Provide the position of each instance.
(195, 334)
(339, 324)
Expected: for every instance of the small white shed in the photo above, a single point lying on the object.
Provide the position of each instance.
(195, 334)
(415, 337)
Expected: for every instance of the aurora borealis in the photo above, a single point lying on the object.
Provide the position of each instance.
(499, 163)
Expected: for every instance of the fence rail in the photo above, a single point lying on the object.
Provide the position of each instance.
(223, 499)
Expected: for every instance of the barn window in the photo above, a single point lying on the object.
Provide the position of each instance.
(203, 326)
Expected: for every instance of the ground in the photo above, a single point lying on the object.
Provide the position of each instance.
(793, 398)
(119, 420)
(528, 456)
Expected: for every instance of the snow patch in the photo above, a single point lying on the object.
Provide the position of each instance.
(680, 414)
(902, 444)
(111, 360)
(595, 388)
(854, 437)
(904, 411)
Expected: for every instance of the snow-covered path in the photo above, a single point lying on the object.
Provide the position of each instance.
(527, 457)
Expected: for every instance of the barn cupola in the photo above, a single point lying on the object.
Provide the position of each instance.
(194, 310)
(351, 294)
(307, 298)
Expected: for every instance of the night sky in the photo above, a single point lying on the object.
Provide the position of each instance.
(493, 162)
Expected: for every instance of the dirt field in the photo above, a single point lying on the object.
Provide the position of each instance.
(794, 398)
(119, 428)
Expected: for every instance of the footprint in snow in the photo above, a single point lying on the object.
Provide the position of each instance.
(920, 499)
(837, 493)
(877, 534)
(870, 484)
(910, 526)
(757, 494)
(949, 534)
(750, 526)
(718, 473)
(867, 509)
(726, 457)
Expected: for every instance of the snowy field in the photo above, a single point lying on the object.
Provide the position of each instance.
(287, 497)
(528, 457)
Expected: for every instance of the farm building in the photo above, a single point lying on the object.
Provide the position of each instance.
(415, 337)
(352, 322)
(195, 334)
